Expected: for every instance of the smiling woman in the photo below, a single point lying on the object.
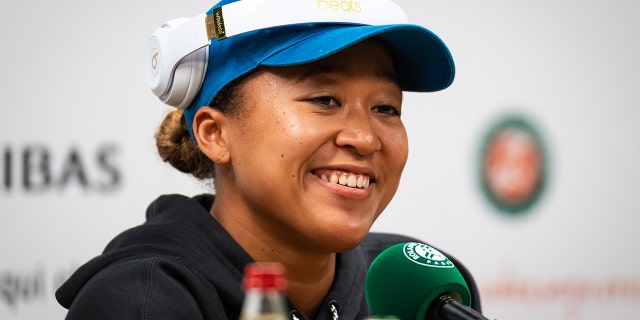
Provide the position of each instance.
(299, 126)
(268, 177)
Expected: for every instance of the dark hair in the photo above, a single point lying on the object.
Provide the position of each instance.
(175, 145)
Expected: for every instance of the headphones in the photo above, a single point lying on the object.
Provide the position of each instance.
(177, 53)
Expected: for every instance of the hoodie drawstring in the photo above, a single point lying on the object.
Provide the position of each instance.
(333, 310)
(333, 307)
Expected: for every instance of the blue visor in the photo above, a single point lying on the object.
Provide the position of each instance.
(423, 62)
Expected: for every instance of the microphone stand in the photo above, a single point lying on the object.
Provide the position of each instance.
(447, 308)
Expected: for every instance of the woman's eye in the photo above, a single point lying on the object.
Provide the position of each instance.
(326, 101)
(387, 110)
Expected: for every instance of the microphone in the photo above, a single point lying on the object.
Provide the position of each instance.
(414, 281)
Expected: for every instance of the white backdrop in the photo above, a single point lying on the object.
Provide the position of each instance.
(78, 164)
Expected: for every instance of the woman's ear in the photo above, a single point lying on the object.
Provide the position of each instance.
(210, 133)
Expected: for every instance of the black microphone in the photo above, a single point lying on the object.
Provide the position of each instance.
(414, 281)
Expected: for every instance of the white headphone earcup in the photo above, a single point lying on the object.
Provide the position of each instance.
(187, 79)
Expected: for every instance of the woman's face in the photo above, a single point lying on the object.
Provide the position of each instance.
(318, 152)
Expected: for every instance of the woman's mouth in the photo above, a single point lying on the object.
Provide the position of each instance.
(347, 179)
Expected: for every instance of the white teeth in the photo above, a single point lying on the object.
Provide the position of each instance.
(345, 179)
(352, 181)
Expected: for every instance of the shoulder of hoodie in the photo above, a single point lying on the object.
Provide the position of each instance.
(142, 287)
(148, 256)
(172, 221)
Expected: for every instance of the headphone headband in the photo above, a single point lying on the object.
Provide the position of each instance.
(249, 15)
(170, 47)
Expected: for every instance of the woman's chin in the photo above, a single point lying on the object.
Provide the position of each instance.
(347, 240)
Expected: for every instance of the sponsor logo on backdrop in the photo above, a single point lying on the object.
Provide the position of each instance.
(37, 168)
(576, 294)
(513, 167)
(27, 287)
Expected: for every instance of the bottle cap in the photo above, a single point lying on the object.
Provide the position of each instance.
(264, 275)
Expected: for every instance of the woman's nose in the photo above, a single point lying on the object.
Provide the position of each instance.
(359, 133)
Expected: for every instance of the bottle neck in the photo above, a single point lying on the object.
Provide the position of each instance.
(264, 304)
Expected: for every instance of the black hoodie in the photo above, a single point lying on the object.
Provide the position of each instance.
(182, 264)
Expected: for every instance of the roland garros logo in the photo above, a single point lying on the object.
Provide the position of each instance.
(513, 165)
(423, 254)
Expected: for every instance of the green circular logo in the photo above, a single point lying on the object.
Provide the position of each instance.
(423, 254)
(513, 166)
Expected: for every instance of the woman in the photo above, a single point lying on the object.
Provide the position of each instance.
(301, 130)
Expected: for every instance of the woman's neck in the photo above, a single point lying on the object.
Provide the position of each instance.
(309, 282)
(309, 273)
